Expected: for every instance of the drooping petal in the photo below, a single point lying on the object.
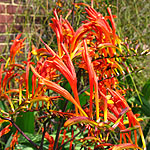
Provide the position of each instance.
(16, 47)
(112, 23)
(58, 89)
(93, 81)
(81, 119)
(123, 146)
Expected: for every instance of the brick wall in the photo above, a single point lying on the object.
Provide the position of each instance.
(17, 16)
(10, 15)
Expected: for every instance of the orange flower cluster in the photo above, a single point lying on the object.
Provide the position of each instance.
(95, 48)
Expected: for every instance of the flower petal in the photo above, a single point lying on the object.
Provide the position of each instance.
(58, 89)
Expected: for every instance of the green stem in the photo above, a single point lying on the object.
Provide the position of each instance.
(136, 89)
(135, 86)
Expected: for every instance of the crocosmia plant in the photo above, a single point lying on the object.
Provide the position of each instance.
(80, 72)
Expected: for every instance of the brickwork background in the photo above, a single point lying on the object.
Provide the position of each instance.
(29, 17)
(8, 22)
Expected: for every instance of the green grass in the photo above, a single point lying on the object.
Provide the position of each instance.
(133, 21)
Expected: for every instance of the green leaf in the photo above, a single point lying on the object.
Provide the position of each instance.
(144, 108)
(25, 121)
(30, 81)
(24, 143)
(2, 106)
(33, 137)
(84, 98)
(24, 147)
(146, 90)
(65, 85)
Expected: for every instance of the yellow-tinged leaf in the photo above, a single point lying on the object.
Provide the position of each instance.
(104, 45)
(130, 129)
(91, 138)
(40, 98)
(86, 120)
(80, 119)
